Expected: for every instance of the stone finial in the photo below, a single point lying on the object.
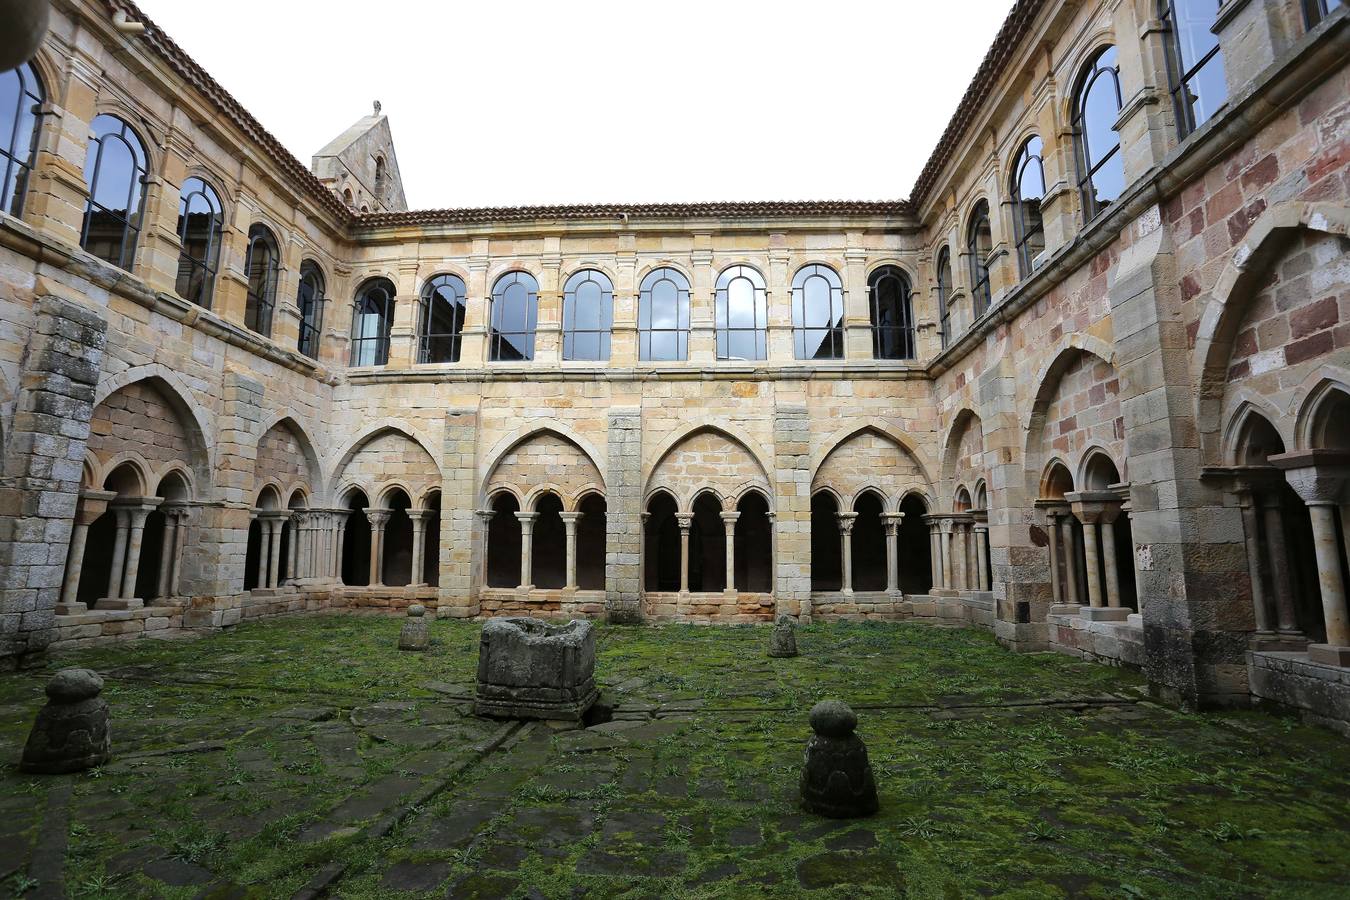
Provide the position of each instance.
(415, 634)
(377, 107)
(72, 731)
(783, 638)
(837, 776)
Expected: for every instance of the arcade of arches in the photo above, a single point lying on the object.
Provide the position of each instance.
(1087, 387)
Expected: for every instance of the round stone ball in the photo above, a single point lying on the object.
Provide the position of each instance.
(74, 685)
(417, 611)
(833, 718)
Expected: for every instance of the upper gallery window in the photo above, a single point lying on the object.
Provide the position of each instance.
(115, 170)
(742, 314)
(979, 244)
(310, 298)
(1317, 10)
(663, 316)
(1101, 165)
(817, 313)
(515, 313)
(200, 224)
(262, 263)
(892, 314)
(443, 307)
(1028, 188)
(21, 98)
(944, 294)
(1194, 62)
(372, 320)
(588, 315)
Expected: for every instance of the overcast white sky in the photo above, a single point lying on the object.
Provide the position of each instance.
(508, 103)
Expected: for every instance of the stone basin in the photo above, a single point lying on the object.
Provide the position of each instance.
(530, 669)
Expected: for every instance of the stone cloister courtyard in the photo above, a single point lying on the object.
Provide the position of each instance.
(303, 757)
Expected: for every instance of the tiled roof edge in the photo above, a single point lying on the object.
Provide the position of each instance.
(637, 211)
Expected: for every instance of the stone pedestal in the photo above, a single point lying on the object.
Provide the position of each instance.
(1329, 654)
(783, 638)
(71, 732)
(837, 777)
(1104, 613)
(415, 635)
(528, 669)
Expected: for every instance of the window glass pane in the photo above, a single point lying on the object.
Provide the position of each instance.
(1194, 19)
(1207, 90)
(116, 171)
(1100, 109)
(1109, 181)
(816, 307)
(741, 304)
(586, 307)
(10, 89)
(665, 305)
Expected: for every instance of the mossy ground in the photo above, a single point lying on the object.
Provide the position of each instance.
(1016, 775)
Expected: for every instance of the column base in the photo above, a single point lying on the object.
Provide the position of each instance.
(1270, 642)
(1066, 609)
(1135, 620)
(71, 609)
(119, 603)
(1329, 654)
(1105, 613)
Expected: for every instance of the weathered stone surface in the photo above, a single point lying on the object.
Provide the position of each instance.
(72, 732)
(528, 669)
(415, 635)
(837, 776)
(783, 638)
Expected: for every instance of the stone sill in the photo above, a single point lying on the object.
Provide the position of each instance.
(1289, 663)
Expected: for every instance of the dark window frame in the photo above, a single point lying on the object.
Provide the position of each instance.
(15, 172)
(682, 313)
(944, 294)
(431, 343)
(834, 332)
(498, 339)
(901, 334)
(759, 326)
(569, 316)
(379, 342)
(981, 293)
(311, 305)
(1025, 234)
(1179, 80)
(130, 224)
(209, 263)
(261, 300)
(1314, 11)
(1083, 152)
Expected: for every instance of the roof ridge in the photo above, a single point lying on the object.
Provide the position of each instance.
(582, 211)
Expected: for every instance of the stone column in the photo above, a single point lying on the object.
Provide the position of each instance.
(526, 520)
(946, 546)
(1071, 563)
(982, 557)
(570, 520)
(274, 555)
(92, 505)
(846, 521)
(1319, 477)
(485, 515)
(137, 514)
(378, 518)
(935, 553)
(729, 523)
(340, 535)
(892, 524)
(168, 551)
(296, 521)
(1281, 580)
(685, 521)
(960, 570)
(119, 554)
(1056, 586)
(1109, 562)
(419, 525)
(180, 539)
(1088, 515)
(1252, 540)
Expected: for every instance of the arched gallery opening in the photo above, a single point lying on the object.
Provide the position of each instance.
(915, 556)
(548, 545)
(707, 546)
(503, 542)
(754, 545)
(661, 544)
(431, 558)
(827, 563)
(868, 541)
(356, 541)
(591, 542)
(398, 540)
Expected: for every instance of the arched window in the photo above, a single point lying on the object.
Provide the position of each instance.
(380, 178)
(371, 322)
(515, 313)
(1194, 63)
(944, 294)
(1028, 188)
(200, 223)
(817, 313)
(442, 319)
(742, 314)
(115, 169)
(1096, 106)
(262, 264)
(310, 298)
(1317, 10)
(588, 315)
(21, 98)
(892, 314)
(979, 245)
(663, 316)
(347, 196)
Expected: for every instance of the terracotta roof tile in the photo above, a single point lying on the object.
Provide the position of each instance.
(636, 211)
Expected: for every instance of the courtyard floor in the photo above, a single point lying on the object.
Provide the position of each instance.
(309, 754)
